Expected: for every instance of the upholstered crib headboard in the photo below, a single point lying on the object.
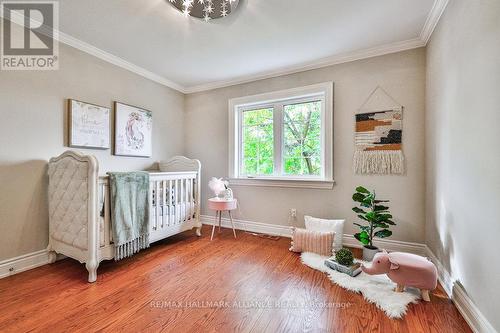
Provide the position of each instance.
(72, 198)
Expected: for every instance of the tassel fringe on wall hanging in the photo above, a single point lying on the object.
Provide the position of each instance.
(379, 134)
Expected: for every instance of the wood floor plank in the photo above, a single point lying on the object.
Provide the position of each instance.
(191, 284)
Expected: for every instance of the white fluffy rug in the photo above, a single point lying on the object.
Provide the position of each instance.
(377, 289)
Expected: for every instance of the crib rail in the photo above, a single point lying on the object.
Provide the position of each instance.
(173, 200)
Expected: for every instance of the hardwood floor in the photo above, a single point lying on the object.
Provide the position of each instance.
(186, 284)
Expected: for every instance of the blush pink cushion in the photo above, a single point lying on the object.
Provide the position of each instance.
(312, 241)
(412, 270)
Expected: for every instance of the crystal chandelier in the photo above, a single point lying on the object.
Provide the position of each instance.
(205, 9)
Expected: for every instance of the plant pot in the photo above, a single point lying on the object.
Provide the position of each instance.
(369, 252)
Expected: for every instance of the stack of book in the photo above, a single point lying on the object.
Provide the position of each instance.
(352, 270)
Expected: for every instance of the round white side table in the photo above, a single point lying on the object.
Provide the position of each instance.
(221, 205)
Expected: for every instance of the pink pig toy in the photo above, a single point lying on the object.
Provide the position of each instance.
(406, 270)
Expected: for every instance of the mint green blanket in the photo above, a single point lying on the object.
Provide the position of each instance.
(129, 212)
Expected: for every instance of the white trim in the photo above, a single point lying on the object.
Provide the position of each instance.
(23, 263)
(430, 24)
(432, 20)
(421, 41)
(323, 91)
(387, 244)
(269, 182)
(471, 313)
(106, 56)
(443, 274)
(473, 316)
(117, 61)
(285, 231)
(259, 227)
(315, 64)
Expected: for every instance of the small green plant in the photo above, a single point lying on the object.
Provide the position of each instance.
(373, 212)
(344, 257)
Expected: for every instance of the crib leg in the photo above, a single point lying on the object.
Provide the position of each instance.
(198, 231)
(92, 268)
(52, 256)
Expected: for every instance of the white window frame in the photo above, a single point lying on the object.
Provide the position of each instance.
(277, 99)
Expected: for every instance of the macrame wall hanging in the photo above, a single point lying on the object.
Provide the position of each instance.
(379, 133)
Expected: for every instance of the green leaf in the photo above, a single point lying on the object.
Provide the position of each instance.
(383, 217)
(389, 222)
(363, 237)
(379, 208)
(380, 201)
(363, 217)
(370, 216)
(358, 197)
(368, 201)
(361, 189)
(366, 205)
(381, 225)
(363, 227)
(383, 233)
(358, 210)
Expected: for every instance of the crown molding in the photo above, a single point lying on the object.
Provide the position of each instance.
(325, 62)
(431, 22)
(117, 61)
(432, 19)
(101, 54)
(435, 14)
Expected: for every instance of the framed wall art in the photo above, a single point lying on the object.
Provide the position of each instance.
(133, 131)
(89, 125)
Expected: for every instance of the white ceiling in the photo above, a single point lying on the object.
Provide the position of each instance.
(261, 38)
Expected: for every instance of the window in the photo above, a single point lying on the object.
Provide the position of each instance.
(283, 136)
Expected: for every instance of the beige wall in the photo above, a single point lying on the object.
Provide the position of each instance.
(463, 154)
(32, 129)
(401, 74)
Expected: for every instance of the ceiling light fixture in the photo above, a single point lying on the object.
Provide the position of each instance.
(205, 9)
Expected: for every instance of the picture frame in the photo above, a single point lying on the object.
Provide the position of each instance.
(89, 125)
(133, 131)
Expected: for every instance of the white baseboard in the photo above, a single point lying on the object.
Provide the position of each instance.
(476, 320)
(23, 263)
(387, 244)
(263, 228)
(472, 315)
(455, 291)
(443, 274)
(285, 231)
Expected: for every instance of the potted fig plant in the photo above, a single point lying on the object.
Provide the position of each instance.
(377, 220)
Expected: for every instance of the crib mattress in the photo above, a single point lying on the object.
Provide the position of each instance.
(166, 212)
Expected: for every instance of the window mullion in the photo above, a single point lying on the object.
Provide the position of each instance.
(278, 138)
(241, 162)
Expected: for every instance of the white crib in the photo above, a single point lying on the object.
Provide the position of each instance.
(79, 206)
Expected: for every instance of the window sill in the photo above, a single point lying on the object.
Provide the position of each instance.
(290, 183)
